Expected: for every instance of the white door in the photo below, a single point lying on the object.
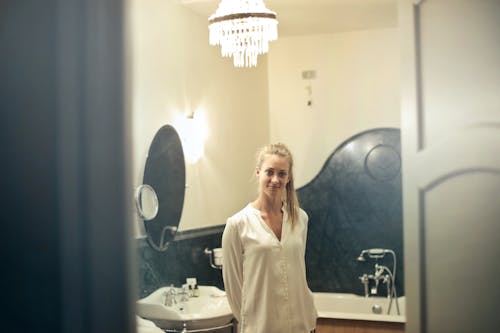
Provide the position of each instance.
(451, 164)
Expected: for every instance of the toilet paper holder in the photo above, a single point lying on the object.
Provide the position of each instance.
(215, 257)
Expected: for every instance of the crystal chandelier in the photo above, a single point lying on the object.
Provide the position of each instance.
(243, 29)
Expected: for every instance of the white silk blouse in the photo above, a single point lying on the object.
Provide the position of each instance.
(265, 278)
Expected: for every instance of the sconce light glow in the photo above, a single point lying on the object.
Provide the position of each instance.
(192, 128)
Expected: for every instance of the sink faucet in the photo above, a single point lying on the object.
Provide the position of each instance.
(184, 293)
(170, 296)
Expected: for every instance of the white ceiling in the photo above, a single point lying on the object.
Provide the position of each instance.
(304, 17)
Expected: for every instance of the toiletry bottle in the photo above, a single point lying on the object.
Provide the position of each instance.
(196, 291)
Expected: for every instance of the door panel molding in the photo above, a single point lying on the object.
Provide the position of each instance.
(468, 147)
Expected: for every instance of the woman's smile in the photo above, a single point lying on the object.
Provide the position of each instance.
(273, 174)
(274, 187)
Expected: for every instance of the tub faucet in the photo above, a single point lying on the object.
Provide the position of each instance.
(380, 276)
(376, 278)
(389, 279)
(365, 280)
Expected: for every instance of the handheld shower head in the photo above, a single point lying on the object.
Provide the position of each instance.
(375, 253)
(361, 256)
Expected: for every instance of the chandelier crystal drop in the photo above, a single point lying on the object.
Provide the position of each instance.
(243, 29)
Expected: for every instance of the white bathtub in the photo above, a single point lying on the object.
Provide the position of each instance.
(354, 307)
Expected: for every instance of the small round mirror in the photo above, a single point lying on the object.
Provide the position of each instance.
(146, 202)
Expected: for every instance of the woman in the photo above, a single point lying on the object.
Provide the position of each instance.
(263, 253)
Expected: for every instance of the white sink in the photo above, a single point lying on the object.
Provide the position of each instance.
(210, 309)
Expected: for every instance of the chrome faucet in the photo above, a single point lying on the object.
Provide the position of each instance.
(170, 296)
(184, 294)
(376, 278)
(365, 281)
(380, 276)
(389, 278)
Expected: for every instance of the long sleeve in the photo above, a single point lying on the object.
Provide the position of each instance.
(232, 268)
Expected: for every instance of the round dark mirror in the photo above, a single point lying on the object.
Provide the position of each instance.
(165, 172)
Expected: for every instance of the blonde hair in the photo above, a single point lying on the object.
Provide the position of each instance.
(281, 150)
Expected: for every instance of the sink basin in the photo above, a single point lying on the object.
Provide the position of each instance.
(209, 310)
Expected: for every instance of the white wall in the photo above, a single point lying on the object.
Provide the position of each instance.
(174, 69)
(356, 88)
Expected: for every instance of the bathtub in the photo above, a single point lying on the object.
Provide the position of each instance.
(354, 307)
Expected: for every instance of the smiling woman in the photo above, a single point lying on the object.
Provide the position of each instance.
(268, 239)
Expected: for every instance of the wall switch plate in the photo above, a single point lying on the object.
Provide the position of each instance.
(308, 75)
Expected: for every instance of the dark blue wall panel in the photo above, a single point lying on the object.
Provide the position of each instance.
(354, 203)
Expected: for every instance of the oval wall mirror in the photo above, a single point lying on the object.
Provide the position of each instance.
(165, 172)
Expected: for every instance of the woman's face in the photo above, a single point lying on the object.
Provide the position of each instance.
(273, 175)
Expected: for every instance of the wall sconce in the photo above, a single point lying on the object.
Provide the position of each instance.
(192, 130)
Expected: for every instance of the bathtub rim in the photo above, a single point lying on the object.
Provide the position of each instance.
(358, 316)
